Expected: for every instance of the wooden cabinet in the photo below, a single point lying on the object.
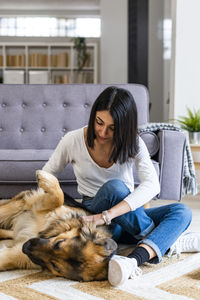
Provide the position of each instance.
(56, 62)
(195, 148)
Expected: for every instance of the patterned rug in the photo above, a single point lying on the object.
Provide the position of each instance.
(173, 278)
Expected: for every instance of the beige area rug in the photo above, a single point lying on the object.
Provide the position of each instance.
(177, 279)
(172, 279)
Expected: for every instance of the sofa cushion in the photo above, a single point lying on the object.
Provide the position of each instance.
(152, 142)
(24, 154)
(42, 114)
(20, 165)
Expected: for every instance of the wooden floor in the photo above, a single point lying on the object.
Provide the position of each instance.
(193, 202)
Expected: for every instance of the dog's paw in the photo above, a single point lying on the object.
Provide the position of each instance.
(45, 179)
(44, 174)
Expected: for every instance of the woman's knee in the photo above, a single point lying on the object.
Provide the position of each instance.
(117, 187)
(111, 193)
(183, 211)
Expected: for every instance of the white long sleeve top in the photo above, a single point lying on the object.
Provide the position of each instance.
(90, 176)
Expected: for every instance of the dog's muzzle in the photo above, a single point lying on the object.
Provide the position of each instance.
(29, 247)
(32, 243)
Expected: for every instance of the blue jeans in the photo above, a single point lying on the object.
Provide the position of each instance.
(157, 227)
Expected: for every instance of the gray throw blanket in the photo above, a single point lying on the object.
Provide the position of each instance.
(189, 178)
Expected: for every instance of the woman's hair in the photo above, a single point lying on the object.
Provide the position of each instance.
(121, 105)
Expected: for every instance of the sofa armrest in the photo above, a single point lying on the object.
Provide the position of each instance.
(171, 160)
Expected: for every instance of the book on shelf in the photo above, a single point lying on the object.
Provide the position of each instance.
(38, 60)
(53, 60)
(65, 78)
(38, 77)
(13, 77)
(89, 61)
(78, 77)
(17, 60)
(83, 77)
(61, 60)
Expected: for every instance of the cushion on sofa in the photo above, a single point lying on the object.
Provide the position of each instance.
(20, 165)
(152, 142)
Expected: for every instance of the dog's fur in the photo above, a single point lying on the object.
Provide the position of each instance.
(36, 229)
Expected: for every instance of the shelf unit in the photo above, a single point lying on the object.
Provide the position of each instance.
(47, 63)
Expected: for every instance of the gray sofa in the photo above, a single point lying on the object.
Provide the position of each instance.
(33, 118)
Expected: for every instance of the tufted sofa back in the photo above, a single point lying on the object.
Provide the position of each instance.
(37, 116)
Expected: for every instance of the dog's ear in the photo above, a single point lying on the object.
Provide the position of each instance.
(55, 229)
(99, 237)
(87, 231)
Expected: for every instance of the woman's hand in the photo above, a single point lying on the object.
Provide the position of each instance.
(117, 210)
(96, 219)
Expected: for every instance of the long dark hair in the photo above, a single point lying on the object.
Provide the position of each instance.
(121, 105)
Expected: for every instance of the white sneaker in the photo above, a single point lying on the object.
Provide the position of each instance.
(188, 242)
(122, 268)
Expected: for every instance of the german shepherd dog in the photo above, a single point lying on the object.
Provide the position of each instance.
(36, 229)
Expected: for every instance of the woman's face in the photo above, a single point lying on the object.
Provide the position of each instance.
(104, 127)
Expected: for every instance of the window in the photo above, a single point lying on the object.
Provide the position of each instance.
(50, 27)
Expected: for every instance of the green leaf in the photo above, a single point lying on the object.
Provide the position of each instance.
(191, 122)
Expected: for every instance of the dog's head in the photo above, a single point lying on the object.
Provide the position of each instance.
(81, 253)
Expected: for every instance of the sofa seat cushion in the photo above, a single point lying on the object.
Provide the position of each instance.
(20, 165)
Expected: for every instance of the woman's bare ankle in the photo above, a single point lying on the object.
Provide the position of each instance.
(150, 250)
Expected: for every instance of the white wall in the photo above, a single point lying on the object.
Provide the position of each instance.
(114, 41)
(185, 64)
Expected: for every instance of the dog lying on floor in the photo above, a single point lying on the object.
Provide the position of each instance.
(36, 229)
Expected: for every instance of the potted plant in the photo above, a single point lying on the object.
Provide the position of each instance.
(81, 48)
(191, 123)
